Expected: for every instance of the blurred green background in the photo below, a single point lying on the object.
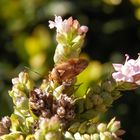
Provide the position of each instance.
(26, 42)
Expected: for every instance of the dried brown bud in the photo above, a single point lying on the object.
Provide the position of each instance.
(41, 103)
(5, 125)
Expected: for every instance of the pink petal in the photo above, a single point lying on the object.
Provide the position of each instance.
(76, 24)
(51, 24)
(83, 29)
(117, 67)
(58, 19)
(118, 76)
(70, 21)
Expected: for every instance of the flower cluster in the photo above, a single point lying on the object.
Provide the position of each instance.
(70, 37)
(52, 111)
(66, 26)
(129, 72)
(92, 131)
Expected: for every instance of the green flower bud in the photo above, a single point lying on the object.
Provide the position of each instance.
(57, 91)
(102, 127)
(52, 124)
(12, 136)
(115, 126)
(23, 77)
(29, 122)
(83, 127)
(91, 129)
(107, 86)
(18, 87)
(17, 122)
(97, 99)
(79, 104)
(74, 127)
(29, 85)
(61, 39)
(107, 98)
(96, 136)
(90, 114)
(123, 86)
(116, 94)
(101, 108)
(30, 137)
(22, 83)
(88, 103)
(110, 123)
(96, 89)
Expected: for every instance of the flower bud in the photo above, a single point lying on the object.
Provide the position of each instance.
(88, 103)
(115, 126)
(83, 127)
(91, 129)
(96, 136)
(30, 137)
(6, 121)
(22, 102)
(96, 89)
(85, 137)
(18, 87)
(53, 136)
(77, 136)
(107, 98)
(115, 94)
(105, 136)
(83, 29)
(15, 81)
(23, 77)
(107, 86)
(89, 114)
(13, 136)
(74, 127)
(97, 99)
(101, 108)
(102, 127)
(79, 104)
(57, 91)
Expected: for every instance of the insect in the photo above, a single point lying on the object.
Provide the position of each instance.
(67, 71)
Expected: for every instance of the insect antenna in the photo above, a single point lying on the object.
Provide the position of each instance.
(29, 69)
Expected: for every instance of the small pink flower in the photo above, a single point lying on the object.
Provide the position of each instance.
(129, 72)
(83, 29)
(58, 23)
(67, 25)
